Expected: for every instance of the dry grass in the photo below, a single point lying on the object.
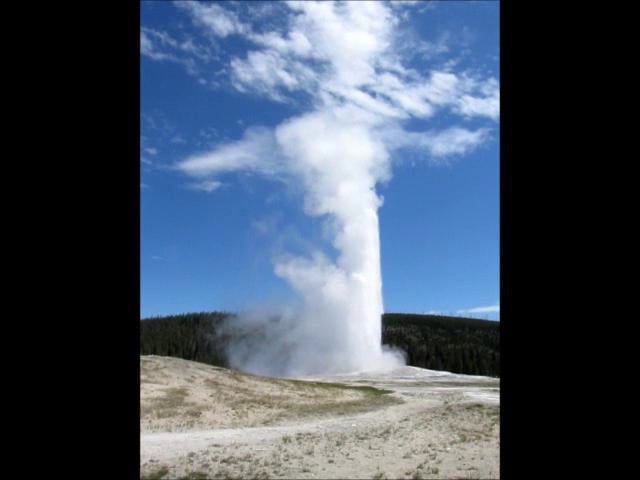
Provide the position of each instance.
(159, 474)
(187, 395)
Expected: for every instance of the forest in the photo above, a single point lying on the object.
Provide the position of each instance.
(454, 344)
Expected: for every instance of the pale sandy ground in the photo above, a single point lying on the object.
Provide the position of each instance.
(199, 421)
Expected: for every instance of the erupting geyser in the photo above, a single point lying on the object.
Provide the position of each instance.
(339, 166)
(346, 59)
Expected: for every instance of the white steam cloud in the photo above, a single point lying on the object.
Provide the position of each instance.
(344, 58)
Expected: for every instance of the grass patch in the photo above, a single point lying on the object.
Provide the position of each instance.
(291, 399)
(367, 390)
(173, 398)
(157, 475)
(195, 476)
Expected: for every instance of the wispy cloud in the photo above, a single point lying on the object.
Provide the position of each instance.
(325, 50)
(162, 47)
(220, 21)
(349, 59)
(205, 186)
(480, 310)
(268, 224)
(439, 145)
(254, 152)
(485, 310)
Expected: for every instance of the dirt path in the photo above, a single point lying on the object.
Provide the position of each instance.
(446, 426)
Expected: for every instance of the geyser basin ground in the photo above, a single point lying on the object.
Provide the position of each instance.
(430, 424)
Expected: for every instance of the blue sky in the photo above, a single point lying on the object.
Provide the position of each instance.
(208, 241)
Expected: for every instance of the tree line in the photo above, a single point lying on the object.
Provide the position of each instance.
(459, 345)
(454, 344)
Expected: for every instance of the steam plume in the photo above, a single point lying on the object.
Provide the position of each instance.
(345, 57)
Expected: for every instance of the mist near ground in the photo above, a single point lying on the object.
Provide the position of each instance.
(297, 343)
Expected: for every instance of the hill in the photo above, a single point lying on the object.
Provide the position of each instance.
(181, 395)
(459, 345)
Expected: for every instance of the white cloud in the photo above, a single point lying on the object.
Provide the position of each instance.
(453, 141)
(256, 151)
(220, 21)
(151, 151)
(437, 146)
(162, 47)
(267, 72)
(432, 49)
(355, 55)
(487, 106)
(150, 50)
(479, 310)
(295, 42)
(462, 94)
(206, 185)
(267, 225)
(348, 50)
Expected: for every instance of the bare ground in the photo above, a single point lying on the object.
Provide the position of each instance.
(199, 421)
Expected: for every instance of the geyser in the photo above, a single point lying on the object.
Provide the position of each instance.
(338, 328)
(339, 166)
(346, 59)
